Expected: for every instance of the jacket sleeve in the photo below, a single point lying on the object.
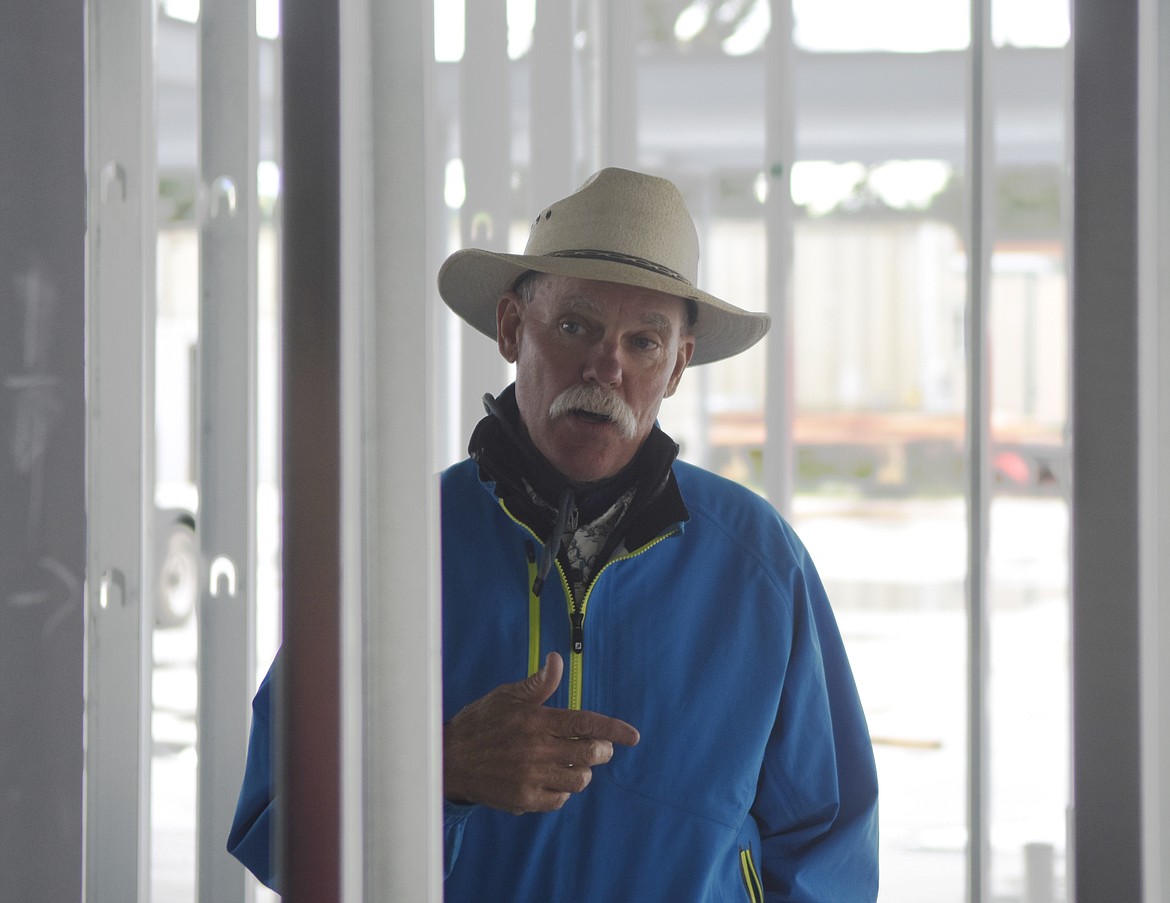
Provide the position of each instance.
(250, 838)
(454, 821)
(816, 801)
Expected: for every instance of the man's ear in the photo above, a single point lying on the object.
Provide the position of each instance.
(686, 348)
(509, 316)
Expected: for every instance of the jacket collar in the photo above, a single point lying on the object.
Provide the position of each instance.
(507, 457)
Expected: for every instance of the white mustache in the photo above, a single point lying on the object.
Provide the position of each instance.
(596, 400)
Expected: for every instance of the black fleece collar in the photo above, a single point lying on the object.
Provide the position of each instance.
(506, 455)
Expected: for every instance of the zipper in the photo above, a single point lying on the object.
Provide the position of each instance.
(577, 618)
(533, 610)
(576, 612)
(751, 878)
(577, 632)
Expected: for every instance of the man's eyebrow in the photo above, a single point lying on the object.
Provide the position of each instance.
(658, 321)
(585, 305)
(576, 304)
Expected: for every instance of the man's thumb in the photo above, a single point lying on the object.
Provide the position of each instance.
(540, 685)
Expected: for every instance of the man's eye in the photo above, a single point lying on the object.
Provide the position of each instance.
(644, 343)
(570, 327)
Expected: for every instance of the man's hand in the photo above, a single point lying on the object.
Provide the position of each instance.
(508, 751)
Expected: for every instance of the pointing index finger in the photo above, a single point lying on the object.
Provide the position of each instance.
(592, 725)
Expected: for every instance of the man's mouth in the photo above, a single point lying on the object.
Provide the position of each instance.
(593, 405)
(590, 416)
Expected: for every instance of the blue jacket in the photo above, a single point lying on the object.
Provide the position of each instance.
(250, 838)
(754, 777)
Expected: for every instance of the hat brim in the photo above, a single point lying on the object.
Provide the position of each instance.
(472, 281)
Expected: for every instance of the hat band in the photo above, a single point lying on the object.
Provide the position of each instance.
(618, 257)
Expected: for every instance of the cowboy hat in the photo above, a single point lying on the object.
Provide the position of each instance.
(620, 226)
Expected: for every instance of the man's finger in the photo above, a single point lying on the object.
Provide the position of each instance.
(539, 686)
(589, 751)
(594, 726)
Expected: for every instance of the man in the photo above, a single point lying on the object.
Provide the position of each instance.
(645, 692)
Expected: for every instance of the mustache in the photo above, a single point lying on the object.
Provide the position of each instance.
(596, 400)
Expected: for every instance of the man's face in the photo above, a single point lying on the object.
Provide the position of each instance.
(616, 350)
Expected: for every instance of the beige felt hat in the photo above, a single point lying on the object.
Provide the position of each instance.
(620, 226)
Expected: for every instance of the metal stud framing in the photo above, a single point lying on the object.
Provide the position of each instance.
(228, 93)
(120, 447)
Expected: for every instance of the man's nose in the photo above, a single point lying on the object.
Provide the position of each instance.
(603, 364)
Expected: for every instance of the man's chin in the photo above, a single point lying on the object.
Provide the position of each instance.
(585, 468)
(586, 452)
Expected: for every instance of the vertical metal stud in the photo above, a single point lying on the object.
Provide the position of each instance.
(391, 693)
(551, 123)
(1154, 453)
(226, 439)
(1107, 546)
(120, 310)
(779, 156)
(981, 200)
(617, 82)
(485, 108)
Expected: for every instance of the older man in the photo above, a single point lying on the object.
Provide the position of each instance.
(645, 692)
